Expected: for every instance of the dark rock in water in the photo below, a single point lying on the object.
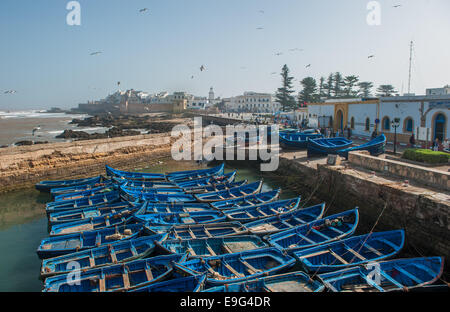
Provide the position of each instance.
(70, 134)
(23, 143)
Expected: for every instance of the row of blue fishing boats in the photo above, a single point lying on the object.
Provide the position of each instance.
(317, 145)
(202, 230)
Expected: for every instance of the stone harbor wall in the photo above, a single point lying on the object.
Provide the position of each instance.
(387, 206)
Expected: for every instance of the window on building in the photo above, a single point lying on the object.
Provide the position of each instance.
(367, 124)
(386, 124)
(408, 125)
(352, 123)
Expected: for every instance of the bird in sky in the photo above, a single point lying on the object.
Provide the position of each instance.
(260, 28)
(96, 53)
(261, 11)
(397, 6)
(202, 68)
(279, 53)
(273, 73)
(309, 65)
(371, 56)
(192, 77)
(36, 129)
(143, 10)
(10, 91)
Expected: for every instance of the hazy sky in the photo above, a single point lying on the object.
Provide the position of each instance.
(49, 64)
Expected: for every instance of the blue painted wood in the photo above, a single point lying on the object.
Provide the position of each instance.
(186, 232)
(286, 220)
(263, 211)
(375, 147)
(233, 193)
(386, 276)
(111, 254)
(323, 147)
(46, 186)
(237, 267)
(182, 284)
(119, 277)
(351, 251)
(316, 233)
(297, 140)
(288, 282)
(177, 218)
(247, 201)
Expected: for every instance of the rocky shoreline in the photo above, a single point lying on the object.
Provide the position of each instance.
(121, 126)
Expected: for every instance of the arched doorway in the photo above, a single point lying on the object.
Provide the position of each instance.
(439, 127)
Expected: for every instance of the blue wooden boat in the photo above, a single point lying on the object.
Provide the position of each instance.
(88, 213)
(214, 187)
(233, 193)
(195, 174)
(100, 199)
(143, 191)
(144, 184)
(152, 208)
(297, 140)
(316, 233)
(158, 198)
(286, 220)
(65, 244)
(93, 224)
(183, 284)
(237, 267)
(119, 252)
(210, 247)
(85, 193)
(80, 188)
(262, 211)
(119, 277)
(331, 146)
(179, 218)
(375, 147)
(386, 276)
(288, 282)
(183, 232)
(216, 179)
(351, 251)
(111, 172)
(247, 201)
(46, 186)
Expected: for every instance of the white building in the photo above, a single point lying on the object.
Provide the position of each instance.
(429, 113)
(439, 91)
(253, 102)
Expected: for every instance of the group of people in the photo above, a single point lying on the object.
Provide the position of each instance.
(330, 133)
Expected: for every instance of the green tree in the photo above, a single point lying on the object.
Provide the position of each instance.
(386, 90)
(322, 86)
(329, 85)
(284, 94)
(308, 93)
(365, 89)
(338, 84)
(350, 83)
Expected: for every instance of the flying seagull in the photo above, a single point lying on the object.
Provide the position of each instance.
(260, 28)
(95, 53)
(279, 53)
(309, 65)
(10, 91)
(371, 56)
(36, 129)
(397, 6)
(202, 68)
(143, 10)
(192, 77)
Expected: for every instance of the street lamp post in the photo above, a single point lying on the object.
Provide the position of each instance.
(395, 125)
